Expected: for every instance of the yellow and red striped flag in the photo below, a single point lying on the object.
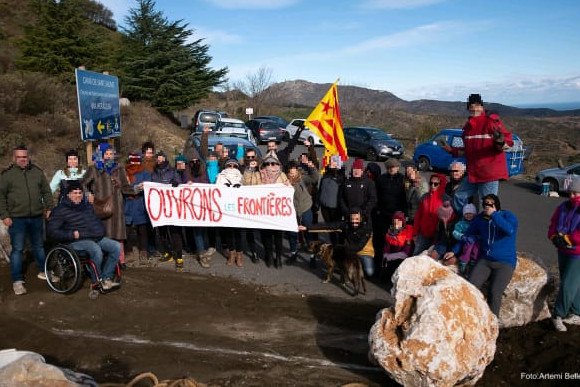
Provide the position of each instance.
(326, 123)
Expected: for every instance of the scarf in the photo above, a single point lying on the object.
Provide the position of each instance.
(212, 170)
(270, 174)
(132, 170)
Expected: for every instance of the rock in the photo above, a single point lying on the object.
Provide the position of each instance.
(124, 102)
(29, 369)
(525, 299)
(440, 331)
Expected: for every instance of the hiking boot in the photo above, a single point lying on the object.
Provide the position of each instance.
(293, 257)
(204, 262)
(109, 284)
(207, 254)
(19, 288)
(210, 251)
(573, 319)
(179, 263)
(231, 254)
(239, 258)
(559, 324)
(166, 257)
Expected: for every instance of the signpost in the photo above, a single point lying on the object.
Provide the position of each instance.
(249, 112)
(99, 110)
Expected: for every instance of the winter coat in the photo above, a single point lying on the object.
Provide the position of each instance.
(135, 211)
(330, 188)
(68, 217)
(201, 178)
(355, 237)
(229, 177)
(426, 219)
(413, 195)
(460, 228)
(302, 198)
(566, 220)
(24, 192)
(496, 236)
(391, 194)
(61, 175)
(251, 176)
(103, 185)
(360, 193)
(485, 162)
(165, 174)
(399, 240)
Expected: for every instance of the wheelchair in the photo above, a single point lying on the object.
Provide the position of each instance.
(67, 268)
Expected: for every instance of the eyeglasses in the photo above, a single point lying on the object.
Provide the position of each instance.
(488, 204)
(270, 164)
(434, 183)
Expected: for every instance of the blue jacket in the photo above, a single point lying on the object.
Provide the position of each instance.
(68, 217)
(135, 211)
(496, 236)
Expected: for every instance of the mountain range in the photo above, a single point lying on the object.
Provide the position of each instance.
(307, 94)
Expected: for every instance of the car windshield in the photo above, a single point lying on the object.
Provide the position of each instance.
(232, 134)
(269, 125)
(378, 134)
(239, 125)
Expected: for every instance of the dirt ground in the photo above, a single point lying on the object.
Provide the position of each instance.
(226, 330)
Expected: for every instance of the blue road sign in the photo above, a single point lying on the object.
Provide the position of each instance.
(99, 111)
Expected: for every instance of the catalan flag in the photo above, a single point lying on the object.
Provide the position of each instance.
(326, 123)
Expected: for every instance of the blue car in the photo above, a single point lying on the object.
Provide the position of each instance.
(431, 155)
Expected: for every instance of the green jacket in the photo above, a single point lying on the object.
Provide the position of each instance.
(24, 192)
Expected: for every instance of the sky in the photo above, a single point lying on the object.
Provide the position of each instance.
(515, 52)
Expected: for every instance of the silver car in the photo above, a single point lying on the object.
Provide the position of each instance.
(558, 178)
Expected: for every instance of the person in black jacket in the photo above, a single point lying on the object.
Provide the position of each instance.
(391, 198)
(283, 155)
(358, 192)
(74, 222)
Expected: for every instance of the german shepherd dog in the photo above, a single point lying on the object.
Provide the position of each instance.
(345, 260)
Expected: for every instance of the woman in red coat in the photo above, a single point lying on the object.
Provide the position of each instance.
(425, 223)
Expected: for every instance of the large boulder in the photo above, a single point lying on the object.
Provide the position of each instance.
(21, 368)
(440, 331)
(525, 299)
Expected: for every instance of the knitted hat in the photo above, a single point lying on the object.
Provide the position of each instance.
(270, 159)
(134, 158)
(575, 185)
(474, 98)
(103, 147)
(445, 212)
(233, 161)
(469, 209)
(358, 164)
(392, 162)
(180, 159)
(399, 215)
(72, 185)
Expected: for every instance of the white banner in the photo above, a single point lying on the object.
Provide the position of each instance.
(268, 206)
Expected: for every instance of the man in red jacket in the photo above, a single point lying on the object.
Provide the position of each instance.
(484, 139)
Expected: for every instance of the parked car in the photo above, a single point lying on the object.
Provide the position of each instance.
(232, 127)
(202, 118)
(279, 120)
(306, 134)
(231, 143)
(372, 143)
(266, 130)
(558, 178)
(431, 155)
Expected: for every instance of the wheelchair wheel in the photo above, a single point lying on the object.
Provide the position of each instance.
(63, 269)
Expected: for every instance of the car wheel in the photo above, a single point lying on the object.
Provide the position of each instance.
(371, 155)
(423, 164)
(553, 184)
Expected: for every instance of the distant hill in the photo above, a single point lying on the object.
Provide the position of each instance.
(304, 93)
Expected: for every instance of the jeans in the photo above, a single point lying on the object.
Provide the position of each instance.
(305, 220)
(33, 226)
(198, 238)
(568, 299)
(500, 275)
(368, 264)
(96, 249)
(467, 189)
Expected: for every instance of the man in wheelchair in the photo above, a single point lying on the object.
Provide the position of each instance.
(73, 221)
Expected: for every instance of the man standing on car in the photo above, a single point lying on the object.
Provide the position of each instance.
(24, 197)
(484, 139)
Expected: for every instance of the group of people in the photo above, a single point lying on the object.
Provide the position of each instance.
(383, 217)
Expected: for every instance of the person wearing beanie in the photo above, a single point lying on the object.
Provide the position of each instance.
(72, 171)
(495, 229)
(135, 212)
(358, 192)
(73, 221)
(484, 139)
(105, 180)
(426, 217)
(398, 244)
(564, 233)
(470, 251)
(181, 169)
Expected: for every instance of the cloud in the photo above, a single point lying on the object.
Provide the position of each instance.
(252, 4)
(214, 36)
(515, 91)
(399, 4)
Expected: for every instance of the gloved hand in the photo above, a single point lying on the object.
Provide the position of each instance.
(560, 241)
(498, 137)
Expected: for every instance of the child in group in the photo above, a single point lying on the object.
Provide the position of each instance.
(398, 243)
(470, 249)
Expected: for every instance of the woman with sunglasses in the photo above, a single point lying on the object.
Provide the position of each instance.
(271, 173)
(426, 219)
(495, 229)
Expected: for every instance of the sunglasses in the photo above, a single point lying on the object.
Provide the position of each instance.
(270, 164)
(455, 170)
(434, 183)
(488, 204)
(250, 157)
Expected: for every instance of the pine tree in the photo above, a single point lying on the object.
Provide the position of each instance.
(57, 43)
(160, 65)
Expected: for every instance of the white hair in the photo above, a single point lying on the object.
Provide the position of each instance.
(459, 164)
